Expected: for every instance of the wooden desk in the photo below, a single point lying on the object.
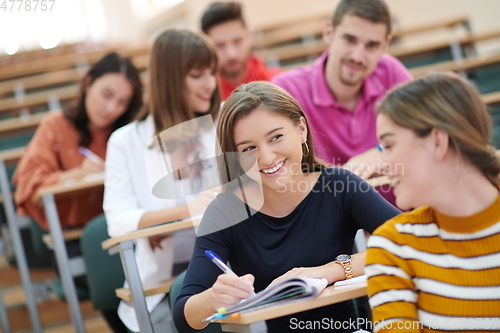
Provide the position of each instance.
(40, 98)
(64, 61)
(313, 26)
(42, 80)
(491, 98)
(401, 51)
(426, 26)
(277, 33)
(254, 321)
(162, 287)
(11, 155)
(58, 77)
(68, 235)
(21, 124)
(67, 267)
(124, 245)
(456, 65)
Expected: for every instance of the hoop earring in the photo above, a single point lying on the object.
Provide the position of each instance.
(307, 149)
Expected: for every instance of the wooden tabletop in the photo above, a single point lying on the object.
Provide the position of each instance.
(40, 98)
(491, 98)
(19, 124)
(330, 295)
(68, 235)
(151, 231)
(426, 26)
(401, 51)
(456, 65)
(70, 187)
(11, 155)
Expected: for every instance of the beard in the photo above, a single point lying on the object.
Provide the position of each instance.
(350, 79)
(237, 67)
(232, 72)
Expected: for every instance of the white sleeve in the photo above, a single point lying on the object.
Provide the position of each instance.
(121, 204)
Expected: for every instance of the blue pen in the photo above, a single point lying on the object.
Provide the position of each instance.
(219, 263)
(87, 153)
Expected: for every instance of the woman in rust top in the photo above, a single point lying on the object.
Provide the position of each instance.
(111, 95)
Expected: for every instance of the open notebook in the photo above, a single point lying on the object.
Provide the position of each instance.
(349, 282)
(284, 291)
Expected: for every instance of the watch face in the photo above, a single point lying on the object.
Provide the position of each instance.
(343, 258)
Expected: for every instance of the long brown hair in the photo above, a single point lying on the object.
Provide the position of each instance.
(243, 101)
(449, 103)
(174, 54)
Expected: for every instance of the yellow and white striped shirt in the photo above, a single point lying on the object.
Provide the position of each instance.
(428, 272)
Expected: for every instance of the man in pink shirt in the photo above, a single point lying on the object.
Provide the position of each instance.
(339, 90)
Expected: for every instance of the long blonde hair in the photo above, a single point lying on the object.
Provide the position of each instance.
(449, 103)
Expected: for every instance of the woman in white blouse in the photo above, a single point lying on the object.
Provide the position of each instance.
(182, 86)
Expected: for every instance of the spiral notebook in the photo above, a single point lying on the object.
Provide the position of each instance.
(284, 291)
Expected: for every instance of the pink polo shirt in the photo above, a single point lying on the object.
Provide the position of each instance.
(338, 132)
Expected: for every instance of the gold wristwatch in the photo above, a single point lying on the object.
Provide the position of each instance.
(345, 261)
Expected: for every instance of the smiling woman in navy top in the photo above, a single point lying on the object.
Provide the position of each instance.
(282, 213)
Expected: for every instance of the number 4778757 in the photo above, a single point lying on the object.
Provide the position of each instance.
(27, 5)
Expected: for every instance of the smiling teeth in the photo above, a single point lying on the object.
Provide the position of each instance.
(273, 170)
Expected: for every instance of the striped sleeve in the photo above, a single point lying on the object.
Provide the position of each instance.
(429, 272)
(392, 293)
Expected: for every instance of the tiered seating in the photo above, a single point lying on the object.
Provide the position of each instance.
(29, 87)
(298, 42)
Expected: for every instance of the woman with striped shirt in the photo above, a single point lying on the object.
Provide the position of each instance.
(437, 268)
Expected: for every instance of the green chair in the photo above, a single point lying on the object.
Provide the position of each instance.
(15, 141)
(426, 58)
(495, 118)
(486, 78)
(175, 289)
(104, 272)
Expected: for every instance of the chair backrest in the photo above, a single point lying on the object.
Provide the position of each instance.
(175, 289)
(104, 272)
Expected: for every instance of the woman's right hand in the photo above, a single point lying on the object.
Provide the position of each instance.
(87, 167)
(229, 290)
(90, 166)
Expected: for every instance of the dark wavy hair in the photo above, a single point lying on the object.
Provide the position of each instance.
(221, 12)
(110, 63)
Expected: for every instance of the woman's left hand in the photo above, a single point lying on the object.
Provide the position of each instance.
(325, 271)
(155, 241)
